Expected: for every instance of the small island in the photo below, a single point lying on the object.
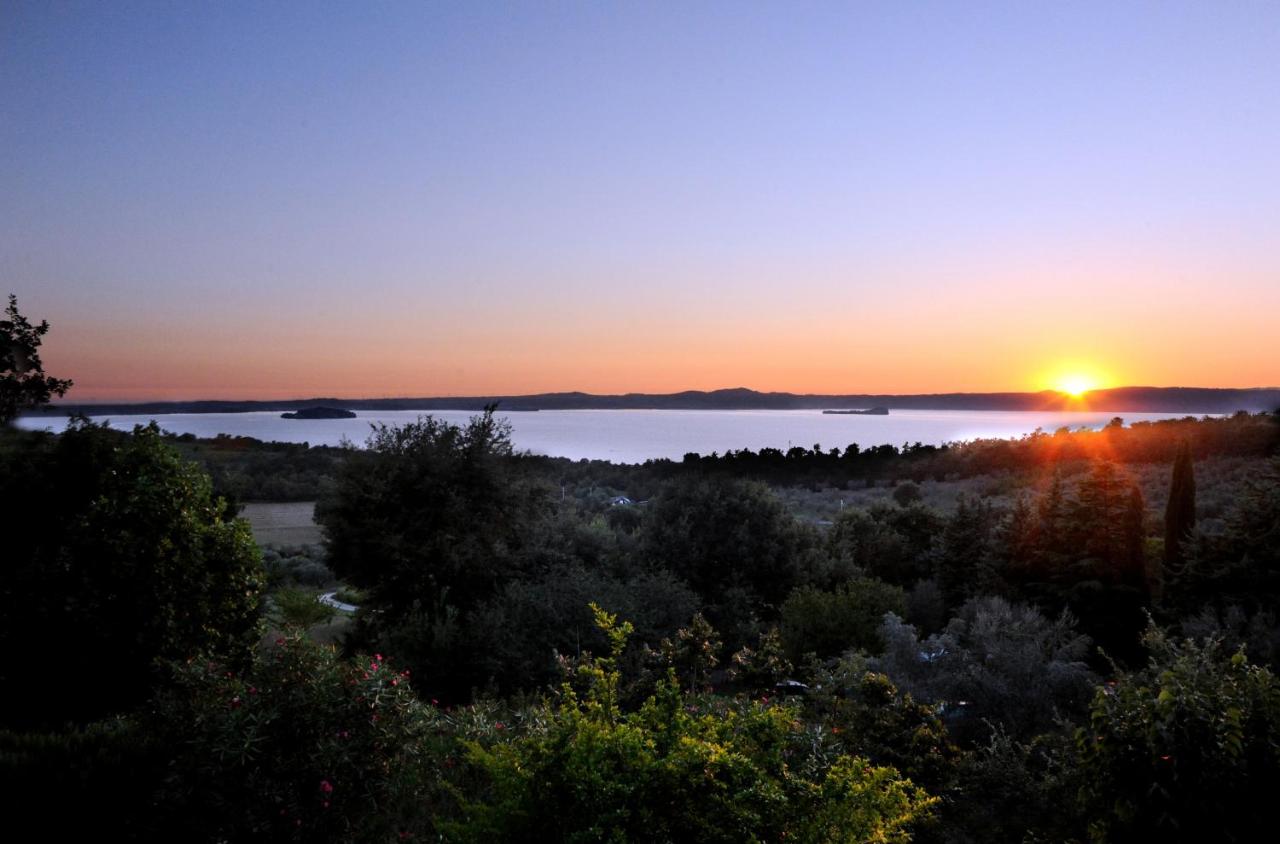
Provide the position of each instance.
(873, 411)
(320, 413)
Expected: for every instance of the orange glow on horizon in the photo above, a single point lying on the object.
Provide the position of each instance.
(516, 348)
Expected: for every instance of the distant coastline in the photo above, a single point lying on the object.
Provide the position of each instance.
(1190, 400)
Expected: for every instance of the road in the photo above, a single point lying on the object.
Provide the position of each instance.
(329, 600)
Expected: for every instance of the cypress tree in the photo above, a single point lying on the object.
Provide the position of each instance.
(1180, 514)
(1134, 571)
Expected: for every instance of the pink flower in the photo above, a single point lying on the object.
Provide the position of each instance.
(499, 726)
(326, 786)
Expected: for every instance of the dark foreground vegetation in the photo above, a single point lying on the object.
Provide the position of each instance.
(555, 651)
(549, 650)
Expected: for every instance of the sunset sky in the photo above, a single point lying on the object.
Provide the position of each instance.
(259, 200)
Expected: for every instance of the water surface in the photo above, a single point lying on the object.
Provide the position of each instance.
(633, 436)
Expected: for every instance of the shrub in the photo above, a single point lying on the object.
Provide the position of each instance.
(1006, 662)
(678, 770)
(907, 493)
(300, 608)
(305, 747)
(828, 623)
(1187, 749)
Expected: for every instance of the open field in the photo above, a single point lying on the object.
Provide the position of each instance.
(283, 523)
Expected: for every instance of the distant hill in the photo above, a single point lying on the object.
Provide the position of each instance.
(1190, 400)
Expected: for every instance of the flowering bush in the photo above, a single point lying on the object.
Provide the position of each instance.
(306, 747)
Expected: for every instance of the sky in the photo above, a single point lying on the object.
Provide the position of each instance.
(249, 200)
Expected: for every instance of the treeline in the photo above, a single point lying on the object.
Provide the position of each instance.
(1242, 435)
(535, 660)
(246, 469)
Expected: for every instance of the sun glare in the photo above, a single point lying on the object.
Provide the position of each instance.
(1075, 385)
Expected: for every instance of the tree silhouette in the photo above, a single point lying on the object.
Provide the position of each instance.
(23, 383)
(1180, 514)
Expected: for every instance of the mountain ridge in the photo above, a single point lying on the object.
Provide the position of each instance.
(1118, 399)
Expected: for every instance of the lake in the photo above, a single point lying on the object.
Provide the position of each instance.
(633, 436)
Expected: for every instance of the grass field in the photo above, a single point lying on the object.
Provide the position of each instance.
(290, 523)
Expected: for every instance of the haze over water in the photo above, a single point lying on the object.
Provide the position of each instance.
(633, 436)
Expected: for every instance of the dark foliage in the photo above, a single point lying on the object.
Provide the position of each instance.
(23, 384)
(116, 554)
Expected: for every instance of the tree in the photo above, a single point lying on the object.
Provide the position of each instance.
(1180, 513)
(894, 544)
(718, 533)
(427, 512)
(1134, 562)
(116, 554)
(1241, 564)
(966, 564)
(432, 520)
(550, 612)
(23, 384)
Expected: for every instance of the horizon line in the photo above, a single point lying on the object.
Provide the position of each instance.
(717, 390)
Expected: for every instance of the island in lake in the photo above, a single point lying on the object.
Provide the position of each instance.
(319, 413)
(872, 411)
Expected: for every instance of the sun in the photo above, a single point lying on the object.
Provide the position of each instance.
(1075, 385)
